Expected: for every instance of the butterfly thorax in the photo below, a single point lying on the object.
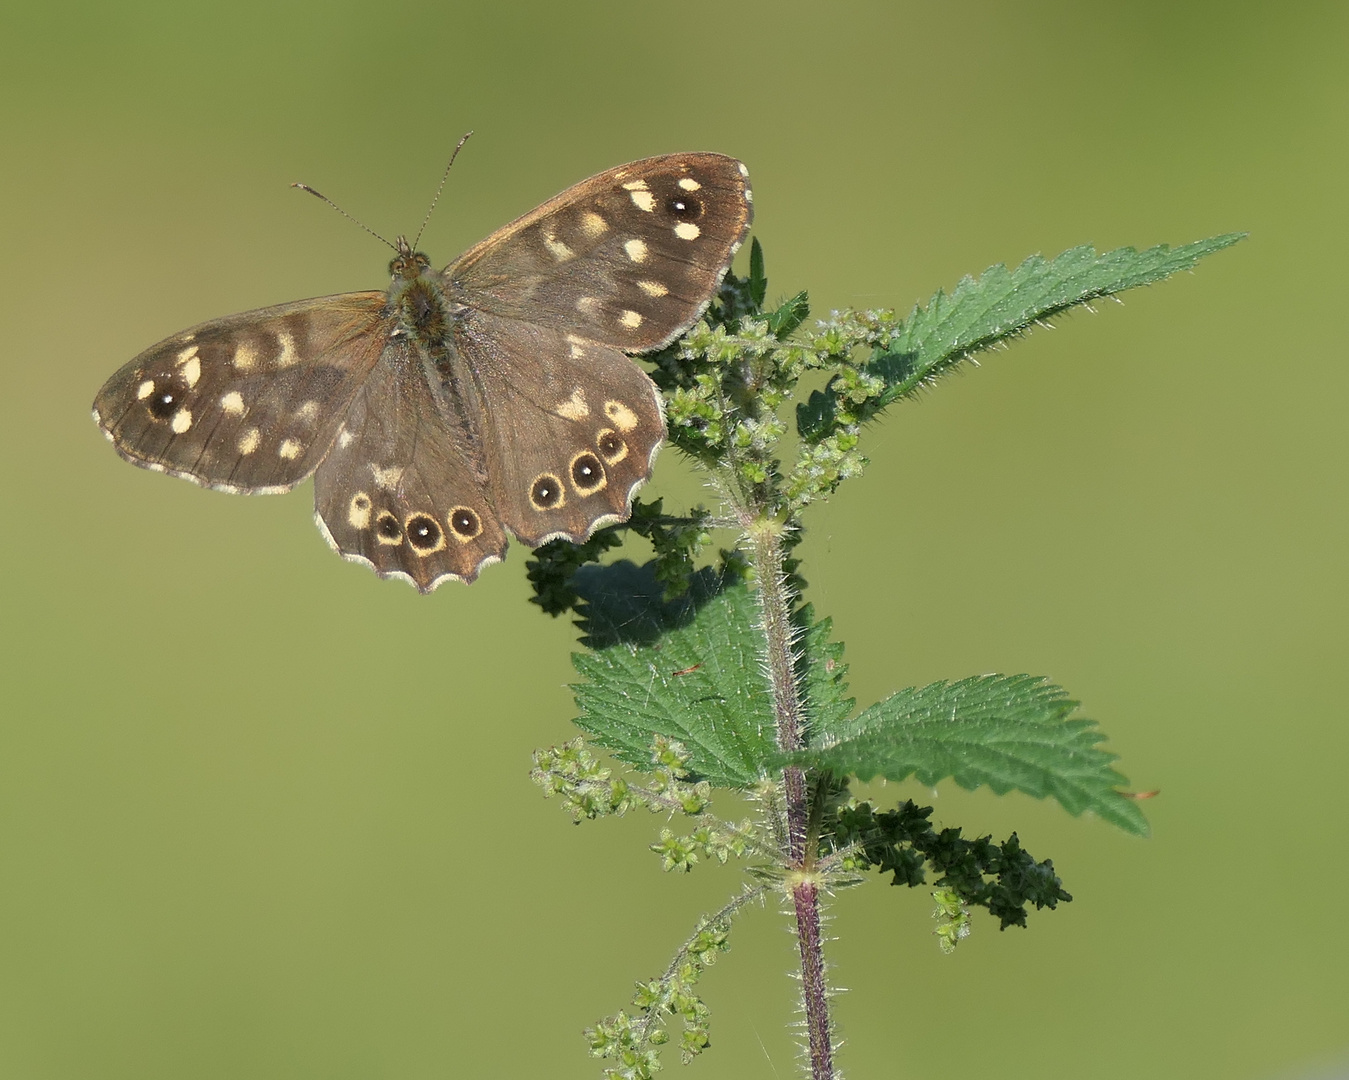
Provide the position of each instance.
(417, 299)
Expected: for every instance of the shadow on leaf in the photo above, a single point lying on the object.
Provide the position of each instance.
(625, 603)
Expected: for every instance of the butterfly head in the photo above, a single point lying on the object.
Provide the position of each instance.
(407, 264)
(417, 296)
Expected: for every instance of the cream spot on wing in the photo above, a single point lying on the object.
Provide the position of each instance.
(233, 403)
(345, 438)
(245, 356)
(689, 184)
(735, 247)
(308, 412)
(187, 338)
(358, 511)
(593, 225)
(587, 305)
(635, 185)
(288, 354)
(575, 407)
(643, 200)
(652, 288)
(623, 418)
(686, 230)
(387, 479)
(248, 441)
(557, 248)
(289, 449)
(182, 420)
(185, 355)
(192, 371)
(630, 319)
(636, 250)
(145, 389)
(575, 347)
(749, 195)
(743, 171)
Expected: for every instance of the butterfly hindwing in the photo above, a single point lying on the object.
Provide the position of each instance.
(629, 258)
(570, 426)
(248, 403)
(399, 490)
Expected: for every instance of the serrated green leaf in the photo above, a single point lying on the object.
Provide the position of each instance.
(691, 669)
(758, 278)
(1005, 731)
(822, 674)
(1003, 304)
(789, 315)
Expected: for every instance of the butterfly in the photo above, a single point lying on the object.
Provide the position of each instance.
(463, 404)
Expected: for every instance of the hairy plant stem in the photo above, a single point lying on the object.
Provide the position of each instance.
(661, 1007)
(775, 607)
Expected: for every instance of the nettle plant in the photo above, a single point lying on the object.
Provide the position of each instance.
(721, 677)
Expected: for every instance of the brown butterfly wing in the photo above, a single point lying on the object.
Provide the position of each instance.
(629, 258)
(570, 426)
(623, 262)
(248, 403)
(402, 489)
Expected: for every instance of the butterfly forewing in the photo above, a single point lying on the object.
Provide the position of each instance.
(397, 491)
(248, 403)
(629, 257)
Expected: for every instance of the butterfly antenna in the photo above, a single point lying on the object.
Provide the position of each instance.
(440, 189)
(362, 224)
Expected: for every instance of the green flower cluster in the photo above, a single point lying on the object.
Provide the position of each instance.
(1003, 878)
(633, 1040)
(727, 379)
(589, 790)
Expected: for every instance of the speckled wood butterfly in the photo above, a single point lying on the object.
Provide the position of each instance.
(488, 397)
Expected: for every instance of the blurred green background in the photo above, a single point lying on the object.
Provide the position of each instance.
(263, 815)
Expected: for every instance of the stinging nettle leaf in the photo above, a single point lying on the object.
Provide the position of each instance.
(690, 669)
(1005, 731)
(758, 278)
(1003, 304)
(789, 315)
(821, 673)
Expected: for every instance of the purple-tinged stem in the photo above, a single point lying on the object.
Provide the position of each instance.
(775, 606)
